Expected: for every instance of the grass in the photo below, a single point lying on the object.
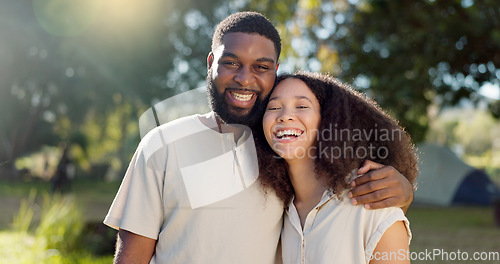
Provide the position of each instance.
(453, 230)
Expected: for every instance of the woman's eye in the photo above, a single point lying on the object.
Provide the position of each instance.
(302, 106)
(273, 108)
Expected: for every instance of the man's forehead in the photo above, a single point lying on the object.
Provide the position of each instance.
(238, 44)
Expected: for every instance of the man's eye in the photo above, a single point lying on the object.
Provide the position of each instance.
(230, 63)
(262, 67)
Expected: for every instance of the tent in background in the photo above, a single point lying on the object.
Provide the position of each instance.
(444, 180)
(476, 188)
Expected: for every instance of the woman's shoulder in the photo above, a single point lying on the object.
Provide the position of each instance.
(360, 210)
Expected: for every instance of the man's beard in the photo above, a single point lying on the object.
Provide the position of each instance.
(221, 108)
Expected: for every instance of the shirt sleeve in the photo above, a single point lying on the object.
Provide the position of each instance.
(138, 206)
(382, 219)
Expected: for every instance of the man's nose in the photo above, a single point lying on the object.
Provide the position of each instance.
(244, 76)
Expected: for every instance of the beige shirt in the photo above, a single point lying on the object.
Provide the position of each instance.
(335, 231)
(195, 190)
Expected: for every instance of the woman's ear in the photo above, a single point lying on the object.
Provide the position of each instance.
(210, 60)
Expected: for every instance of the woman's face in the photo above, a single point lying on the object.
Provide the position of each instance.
(292, 119)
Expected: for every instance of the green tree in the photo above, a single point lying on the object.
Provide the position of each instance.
(406, 54)
(482, 139)
(63, 63)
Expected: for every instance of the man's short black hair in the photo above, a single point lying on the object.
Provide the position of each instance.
(247, 22)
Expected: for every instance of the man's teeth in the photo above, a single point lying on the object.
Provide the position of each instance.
(242, 97)
(288, 133)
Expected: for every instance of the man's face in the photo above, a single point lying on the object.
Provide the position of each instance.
(241, 73)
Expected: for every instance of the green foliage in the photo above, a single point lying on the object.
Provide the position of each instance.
(61, 223)
(108, 135)
(24, 217)
(476, 131)
(482, 139)
(23, 248)
(90, 194)
(57, 238)
(62, 64)
(405, 54)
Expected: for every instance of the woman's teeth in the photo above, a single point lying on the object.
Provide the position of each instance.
(288, 133)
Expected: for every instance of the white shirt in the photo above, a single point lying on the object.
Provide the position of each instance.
(195, 190)
(335, 231)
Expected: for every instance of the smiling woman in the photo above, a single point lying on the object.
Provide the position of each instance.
(318, 214)
(292, 119)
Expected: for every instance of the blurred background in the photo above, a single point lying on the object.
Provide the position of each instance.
(75, 76)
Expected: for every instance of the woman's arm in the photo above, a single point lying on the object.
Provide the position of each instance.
(393, 246)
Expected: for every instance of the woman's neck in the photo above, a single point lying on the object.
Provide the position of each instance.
(308, 188)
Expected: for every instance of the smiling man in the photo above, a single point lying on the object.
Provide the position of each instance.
(241, 73)
(191, 193)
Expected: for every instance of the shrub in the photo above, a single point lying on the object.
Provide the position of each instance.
(61, 223)
(24, 217)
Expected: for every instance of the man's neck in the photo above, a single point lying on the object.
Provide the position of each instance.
(221, 127)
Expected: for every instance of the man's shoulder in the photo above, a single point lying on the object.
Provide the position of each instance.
(175, 129)
(180, 122)
(162, 136)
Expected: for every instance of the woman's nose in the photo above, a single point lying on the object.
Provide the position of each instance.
(285, 115)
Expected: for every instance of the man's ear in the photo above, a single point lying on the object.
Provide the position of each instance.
(277, 65)
(210, 60)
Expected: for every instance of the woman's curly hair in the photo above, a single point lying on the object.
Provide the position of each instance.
(353, 129)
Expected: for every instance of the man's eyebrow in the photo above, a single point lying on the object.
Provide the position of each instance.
(232, 55)
(229, 54)
(264, 59)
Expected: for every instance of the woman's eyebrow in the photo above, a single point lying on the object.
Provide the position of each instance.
(303, 97)
(274, 98)
(299, 97)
